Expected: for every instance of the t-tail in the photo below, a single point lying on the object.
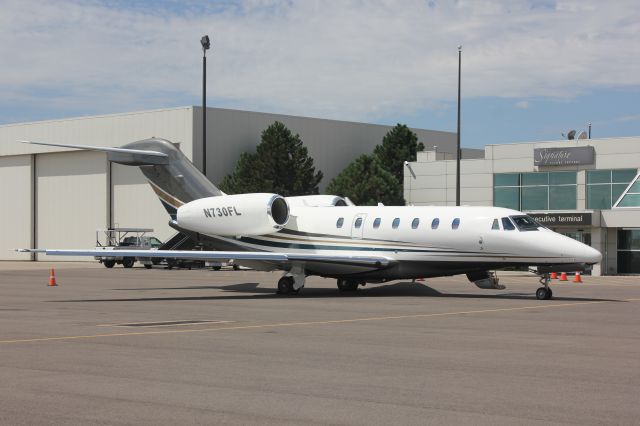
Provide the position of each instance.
(174, 179)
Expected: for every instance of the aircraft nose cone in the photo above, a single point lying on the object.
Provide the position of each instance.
(592, 255)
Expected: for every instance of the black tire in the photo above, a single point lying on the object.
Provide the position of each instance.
(128, 262)
(217, 268)
(109, 263)
(542, 293)
(549, 294)
(236, 267)
(285, 285)
(147, 266)
(347, 285)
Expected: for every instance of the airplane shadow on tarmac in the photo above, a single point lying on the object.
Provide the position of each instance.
(253, 291)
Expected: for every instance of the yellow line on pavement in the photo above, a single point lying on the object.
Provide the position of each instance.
(304, 323)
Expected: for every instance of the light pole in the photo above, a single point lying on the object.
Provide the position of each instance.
(458, 151)
(204, 41)
(413, 176)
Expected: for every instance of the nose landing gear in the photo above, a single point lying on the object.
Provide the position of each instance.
(544, 293)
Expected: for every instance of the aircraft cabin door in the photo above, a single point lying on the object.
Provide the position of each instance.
(357, 226)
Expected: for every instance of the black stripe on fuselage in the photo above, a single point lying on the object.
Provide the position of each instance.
(310, 246)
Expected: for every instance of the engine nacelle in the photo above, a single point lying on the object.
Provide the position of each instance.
(231, 215)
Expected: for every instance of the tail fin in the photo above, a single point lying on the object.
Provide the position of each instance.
(172, 176)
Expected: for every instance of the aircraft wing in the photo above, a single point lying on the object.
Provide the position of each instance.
(364, 262)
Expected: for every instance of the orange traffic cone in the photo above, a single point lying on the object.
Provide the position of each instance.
(563, 276)
(52, 278)
(554, 276)
(578, 278)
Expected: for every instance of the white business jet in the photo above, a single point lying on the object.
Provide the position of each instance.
(328, 236)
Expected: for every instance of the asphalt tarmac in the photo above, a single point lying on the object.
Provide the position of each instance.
(153, 347)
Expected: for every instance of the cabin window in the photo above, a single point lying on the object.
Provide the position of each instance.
(434, 223)
(507, 225)
(456, 223)
(340, 222)
(376, 223)
(496, 224)
(395, 223)
(358, 223)
(415, 223)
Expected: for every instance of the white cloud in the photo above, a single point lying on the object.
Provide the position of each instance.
(522, 104)
(350, 59)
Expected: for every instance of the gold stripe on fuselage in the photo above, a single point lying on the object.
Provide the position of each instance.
(164, 196)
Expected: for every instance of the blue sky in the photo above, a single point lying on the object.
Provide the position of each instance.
(531, 69)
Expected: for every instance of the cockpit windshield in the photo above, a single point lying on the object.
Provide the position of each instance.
(525, 223)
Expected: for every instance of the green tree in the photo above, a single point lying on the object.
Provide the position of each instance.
(281, 164)
(366, 182)
(400, 144)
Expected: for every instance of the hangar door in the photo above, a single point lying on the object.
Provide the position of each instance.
(135, 205)
(71, 190)
(15, 208)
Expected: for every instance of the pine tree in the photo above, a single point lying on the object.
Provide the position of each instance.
(400, 144)
(366, 182)
(281, 164)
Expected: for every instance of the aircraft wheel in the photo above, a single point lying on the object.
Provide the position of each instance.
(543, 293)
(285, 285)
(347, 285)
(109, 263)
(147, 266)
(128, 262)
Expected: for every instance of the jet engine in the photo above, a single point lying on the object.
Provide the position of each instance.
(232, 215)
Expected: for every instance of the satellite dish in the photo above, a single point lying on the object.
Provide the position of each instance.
(571, 135)
(582, 135)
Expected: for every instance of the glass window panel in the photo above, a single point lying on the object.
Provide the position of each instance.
(616, 191)
(376, 223)
(623, 175)
(456, 223)
(358, 222)
(434, 223)
(635, 188)
(340, 222)
(506, 179)
(598, 176)
(495, 224)
(414, 223)
(507, 197)
(535, 198)
(630, 238)
(535, 179)
(630, 200)
(395, 223)
(562, 197)
(629, 262)
(598, 196)
(507, 225)
(562, 178)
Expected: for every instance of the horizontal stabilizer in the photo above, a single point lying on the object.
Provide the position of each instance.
(132, 157)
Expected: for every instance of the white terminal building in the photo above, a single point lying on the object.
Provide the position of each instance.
(57, 197)
(587, 189)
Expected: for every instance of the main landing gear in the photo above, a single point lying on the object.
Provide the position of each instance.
(544, 293)
(347, 285)
(293, 281)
